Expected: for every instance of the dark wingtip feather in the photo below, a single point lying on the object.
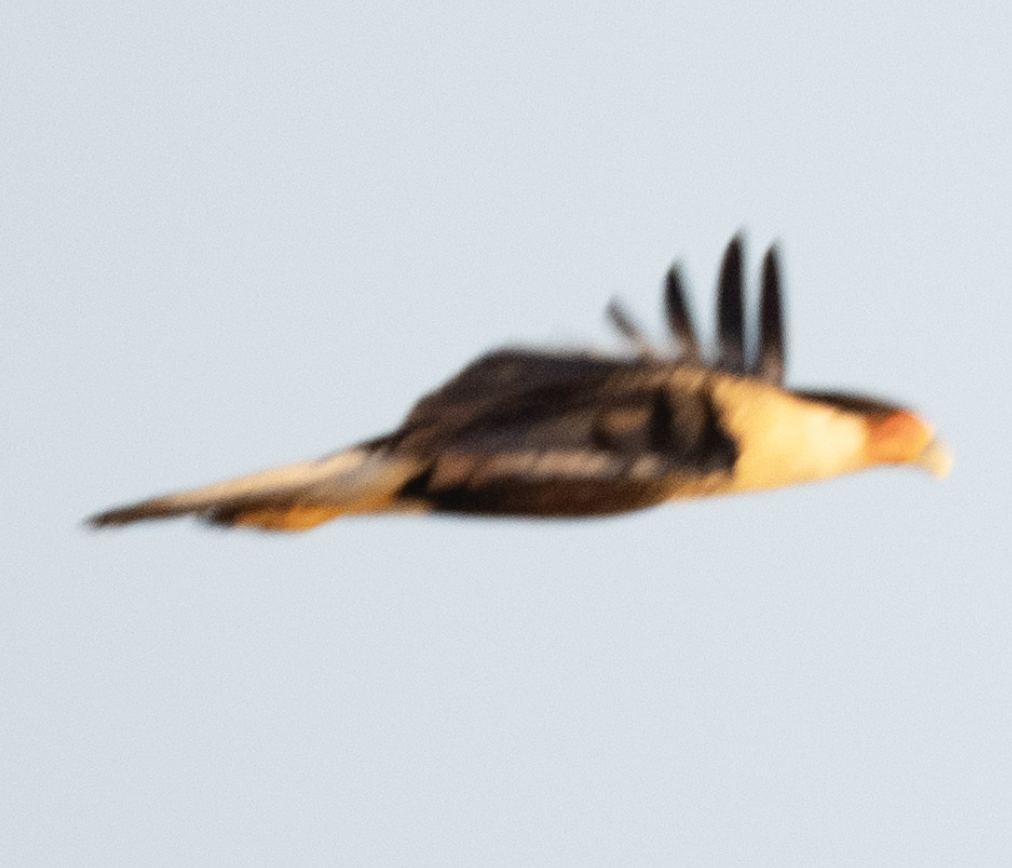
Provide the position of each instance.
(730, 308)
(679, 318)
(770, 363)
(627, 327)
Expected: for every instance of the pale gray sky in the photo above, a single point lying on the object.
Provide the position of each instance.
(231, 238)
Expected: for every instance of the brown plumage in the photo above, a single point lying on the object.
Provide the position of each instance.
(543, 434)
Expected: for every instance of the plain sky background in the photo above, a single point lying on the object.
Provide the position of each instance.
(240, 235)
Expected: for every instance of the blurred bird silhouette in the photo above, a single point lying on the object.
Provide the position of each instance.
(564, 434)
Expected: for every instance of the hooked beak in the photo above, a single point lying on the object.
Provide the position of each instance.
(936, 459)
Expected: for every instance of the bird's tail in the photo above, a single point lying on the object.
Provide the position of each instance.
(296, 497)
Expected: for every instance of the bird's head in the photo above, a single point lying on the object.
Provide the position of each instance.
(894, 434)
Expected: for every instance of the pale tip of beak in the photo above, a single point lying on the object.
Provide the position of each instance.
(936, 458)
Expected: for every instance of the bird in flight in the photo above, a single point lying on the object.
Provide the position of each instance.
(546, 434)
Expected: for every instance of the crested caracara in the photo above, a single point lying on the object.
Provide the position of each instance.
(551, 434)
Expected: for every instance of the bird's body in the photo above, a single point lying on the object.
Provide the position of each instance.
(540, 434)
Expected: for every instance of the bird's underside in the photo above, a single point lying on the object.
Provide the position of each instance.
(551, 434)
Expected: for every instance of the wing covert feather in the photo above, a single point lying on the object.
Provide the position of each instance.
(578, 436)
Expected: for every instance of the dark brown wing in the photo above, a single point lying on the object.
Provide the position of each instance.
(541, 434)
(505, 375)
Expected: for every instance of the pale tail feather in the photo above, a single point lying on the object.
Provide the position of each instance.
(293, 497)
